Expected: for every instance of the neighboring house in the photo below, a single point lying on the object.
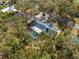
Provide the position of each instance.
(40, 27)
(8, 9)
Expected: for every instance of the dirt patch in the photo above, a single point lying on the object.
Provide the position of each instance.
(77, 20)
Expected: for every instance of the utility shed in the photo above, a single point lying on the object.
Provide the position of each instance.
(11, 8)
(40, 27)
(42, 17)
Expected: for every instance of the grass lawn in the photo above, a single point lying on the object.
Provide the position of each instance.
(4, 0)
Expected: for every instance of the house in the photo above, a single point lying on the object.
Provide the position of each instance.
(8, 9)
(40, 27)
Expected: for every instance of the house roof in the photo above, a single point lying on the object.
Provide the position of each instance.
(50, 25)
(39, 15)
(54, 28)
(12, 8)
(42, 26)
(36, 29)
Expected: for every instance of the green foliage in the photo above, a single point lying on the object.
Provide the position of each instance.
(46, 56)
(15, 40)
